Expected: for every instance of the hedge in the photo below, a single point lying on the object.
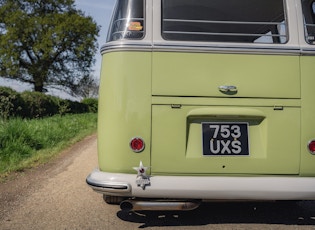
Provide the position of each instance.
(92, 104)
(37, 105)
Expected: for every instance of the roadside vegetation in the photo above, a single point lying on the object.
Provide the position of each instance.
(34, 132)
(48, 44)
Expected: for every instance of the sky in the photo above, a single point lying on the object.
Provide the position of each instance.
(100, 11)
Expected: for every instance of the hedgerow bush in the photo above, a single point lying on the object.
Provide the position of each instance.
(92, 104)
(11, 103)
(38, 105)
(77, 107)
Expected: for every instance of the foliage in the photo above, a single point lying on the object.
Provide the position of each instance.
(10, 103)
(24, 142)
(87, 87)
(46, 43)
(38, 105)
(92, 104)
(78, 107)
(63, 106)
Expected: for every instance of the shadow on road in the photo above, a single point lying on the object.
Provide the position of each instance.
(286, 213)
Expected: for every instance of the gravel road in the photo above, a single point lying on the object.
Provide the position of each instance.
(55, 196)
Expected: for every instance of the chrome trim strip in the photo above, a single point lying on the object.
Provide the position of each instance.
(308, 52)
(125, 47)
(146, 47)
(232, 48)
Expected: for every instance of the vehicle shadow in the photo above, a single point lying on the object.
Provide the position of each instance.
(285, 213)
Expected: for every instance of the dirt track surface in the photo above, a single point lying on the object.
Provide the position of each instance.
(55, 196)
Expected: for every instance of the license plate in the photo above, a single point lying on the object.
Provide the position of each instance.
(225, 139)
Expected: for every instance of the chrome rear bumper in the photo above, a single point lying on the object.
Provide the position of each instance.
(205, 187)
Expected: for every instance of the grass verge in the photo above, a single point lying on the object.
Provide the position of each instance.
(28, 143)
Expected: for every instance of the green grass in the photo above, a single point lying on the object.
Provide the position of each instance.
(27, 143)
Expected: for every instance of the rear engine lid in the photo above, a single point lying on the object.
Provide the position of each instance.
(225, 75)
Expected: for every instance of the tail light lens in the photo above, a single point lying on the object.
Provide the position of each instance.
(311, 147)
(137, 144)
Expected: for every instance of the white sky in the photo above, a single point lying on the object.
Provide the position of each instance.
(100, 11)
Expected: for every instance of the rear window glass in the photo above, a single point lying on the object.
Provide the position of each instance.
(246, 21)
(309, 20)
(127, 21)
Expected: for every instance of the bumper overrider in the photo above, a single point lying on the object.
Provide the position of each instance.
(203, 187)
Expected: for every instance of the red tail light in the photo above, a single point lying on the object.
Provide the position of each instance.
(311, 146)
(137, 144)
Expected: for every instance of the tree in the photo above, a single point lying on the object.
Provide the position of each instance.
(86, 88)
(46, 42)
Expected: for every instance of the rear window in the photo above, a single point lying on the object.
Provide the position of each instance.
(246, 21)
(127, 21)
(309, 20)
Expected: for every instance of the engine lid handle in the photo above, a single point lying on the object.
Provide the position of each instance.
(228, 88)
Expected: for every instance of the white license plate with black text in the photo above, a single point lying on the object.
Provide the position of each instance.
(225, 139)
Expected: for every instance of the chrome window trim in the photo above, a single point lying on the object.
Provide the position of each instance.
(224, 34)
(229, 34)
(224, 22)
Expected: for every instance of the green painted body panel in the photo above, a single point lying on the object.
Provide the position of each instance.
(200, 74)
(307, 114)
(124, 110)
(138, 90)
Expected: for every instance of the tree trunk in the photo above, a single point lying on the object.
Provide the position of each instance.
(38, 87)
(39, 80)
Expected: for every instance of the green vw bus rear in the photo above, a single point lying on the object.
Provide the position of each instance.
(206, 100)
